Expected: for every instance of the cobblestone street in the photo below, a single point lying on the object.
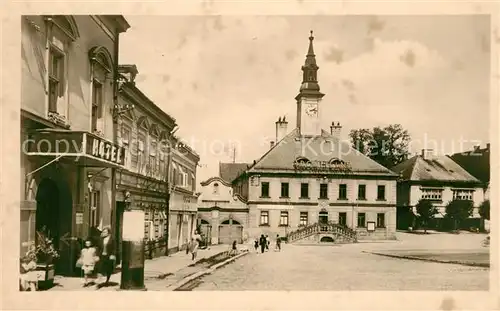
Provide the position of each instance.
(344, 268)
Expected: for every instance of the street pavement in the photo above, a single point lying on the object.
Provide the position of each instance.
(350, 267)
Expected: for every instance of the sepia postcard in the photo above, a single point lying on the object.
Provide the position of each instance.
(293, 155)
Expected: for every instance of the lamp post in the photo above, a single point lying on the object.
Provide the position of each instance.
(132, 276)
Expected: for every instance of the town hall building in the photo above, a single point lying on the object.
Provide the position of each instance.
(311, 186)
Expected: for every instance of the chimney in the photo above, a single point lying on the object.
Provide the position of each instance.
(128, 71)
(335, 130)
(428, 154)
(281, 129)
(488, 146)
(272, 144)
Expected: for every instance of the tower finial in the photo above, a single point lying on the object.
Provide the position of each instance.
(311, 37)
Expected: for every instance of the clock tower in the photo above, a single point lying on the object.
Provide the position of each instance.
(309, 97)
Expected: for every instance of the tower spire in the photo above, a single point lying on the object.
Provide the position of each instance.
(310, 72)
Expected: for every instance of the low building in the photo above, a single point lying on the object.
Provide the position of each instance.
(311, 181)
(68, 88)
(222, 215)
(439, 179)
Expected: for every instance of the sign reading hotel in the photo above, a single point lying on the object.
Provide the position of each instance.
(80, 146)
(335, 165)
(100, 148)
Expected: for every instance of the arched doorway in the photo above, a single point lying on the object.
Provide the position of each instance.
(206, 231)
(47, 211)
(323, 217)
(327, 239)
(230, 230)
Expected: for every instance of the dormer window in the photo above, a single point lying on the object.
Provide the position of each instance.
(336, 161)
(302, 160)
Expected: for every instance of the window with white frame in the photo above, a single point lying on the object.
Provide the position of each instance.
(463, 194)
(141, 161)
(264, 218)
(162, 167)
(152, 157)
(284, 218)
(57, 77)
(432, 194)
(125, 142)
(97, 97)
(303, 218)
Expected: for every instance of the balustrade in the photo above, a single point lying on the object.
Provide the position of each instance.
(321, 227)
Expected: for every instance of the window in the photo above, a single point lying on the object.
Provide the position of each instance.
(303, 219)
(380, 220)
(162, 166)
(56, 77)
(264, 218)
(125, 138)
(432, 194)
(152, 158)
(462, 194)
(342, 192)
(96, 104)
(361, 192)
(285, 190)
(140, 154)
(95, 207)
(284, 218)
(175, 177)
(323, 191)
(343, 219)
(381, 192)
(361, 220)
(264, 190)
(304, 191)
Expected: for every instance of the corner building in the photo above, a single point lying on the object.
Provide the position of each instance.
(310, 184)
(68, 91)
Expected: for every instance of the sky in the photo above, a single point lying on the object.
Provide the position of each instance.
(227, 79)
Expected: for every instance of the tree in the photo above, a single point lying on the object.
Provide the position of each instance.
(484, 211)
(426, 211)
(459, 210)
(387, 146)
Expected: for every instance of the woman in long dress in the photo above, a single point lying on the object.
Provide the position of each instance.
(195, 243)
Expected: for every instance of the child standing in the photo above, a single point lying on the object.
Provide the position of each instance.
(256, 245)
(88, 259)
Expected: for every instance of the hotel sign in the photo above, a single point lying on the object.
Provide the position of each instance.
(100, 148)
(84, 148)
(322, 166)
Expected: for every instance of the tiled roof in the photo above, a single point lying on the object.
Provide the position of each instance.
(476, 162)
(321, 148)
(229, 171)
(439, 168)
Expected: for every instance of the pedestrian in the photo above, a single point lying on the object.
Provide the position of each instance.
(107, 258)
(256, 245)
(278, 243)
(268, 242)
(87, 261)
(188, 246)
(195, 243)
(234, 249)
(262, 243)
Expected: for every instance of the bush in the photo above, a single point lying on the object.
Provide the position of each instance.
(426, 212)
(458, 211)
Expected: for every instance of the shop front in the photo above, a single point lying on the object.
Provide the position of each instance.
(183, 219)
(68, 191)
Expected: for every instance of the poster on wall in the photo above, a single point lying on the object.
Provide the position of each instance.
(370, 226)
(79, 218)
(133, 226)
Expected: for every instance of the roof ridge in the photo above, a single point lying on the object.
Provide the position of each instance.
(272, 148)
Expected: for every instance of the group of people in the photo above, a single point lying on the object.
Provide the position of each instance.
(97, 259)
(264, 242)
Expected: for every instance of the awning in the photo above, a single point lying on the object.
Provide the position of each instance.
(84, 148)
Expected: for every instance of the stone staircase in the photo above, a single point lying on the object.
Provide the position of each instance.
(315, 233)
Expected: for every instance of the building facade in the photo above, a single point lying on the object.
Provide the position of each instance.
(222, 215)
(67, 130)
(438, 179)
(144, 132)
(310, 176)
(183, 197)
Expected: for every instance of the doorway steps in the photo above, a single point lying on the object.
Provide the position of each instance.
(323, 232)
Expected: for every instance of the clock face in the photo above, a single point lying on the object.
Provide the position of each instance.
(312, 110)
